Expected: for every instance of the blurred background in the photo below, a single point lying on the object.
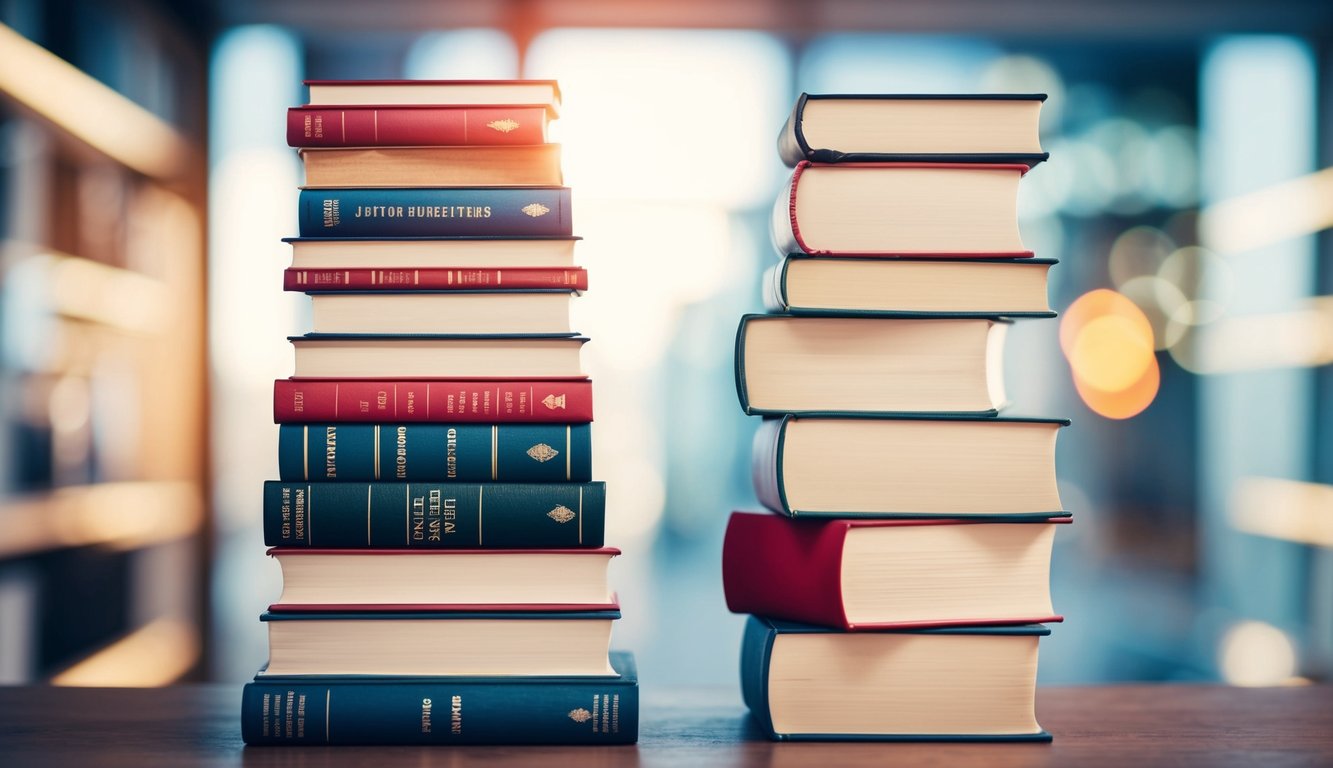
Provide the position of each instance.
(145, 183)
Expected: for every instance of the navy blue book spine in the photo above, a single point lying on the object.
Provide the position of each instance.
(434, 515)
(469, 453)
(436, 212)
(440, 711)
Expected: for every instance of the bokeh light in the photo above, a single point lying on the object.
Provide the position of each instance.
(1253, 653)
(1108, 341)
(1136, 252)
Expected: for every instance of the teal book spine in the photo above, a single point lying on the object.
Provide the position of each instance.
(435, 212)
(319, 711)
(469, 453)
(434, 515)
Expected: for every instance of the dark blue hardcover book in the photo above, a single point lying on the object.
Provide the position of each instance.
(340, 710)
(859, 676)
(435, 212)
(484, 515)
(511, 453)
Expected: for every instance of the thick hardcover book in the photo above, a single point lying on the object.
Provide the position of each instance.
(409, 279)
(908, 466)
(438, 356)
(528, 165)
(881, 574)
(476, 93)
(900, 209)
(805, 683)
(869, 128)
(510, 453)
(435, 211)
(415, 126)
(907, 287)
(509, 640)
(861, 364)
(309, 401)
(483, 515)
(340, 710)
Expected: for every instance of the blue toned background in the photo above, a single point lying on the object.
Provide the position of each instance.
(1185, 194)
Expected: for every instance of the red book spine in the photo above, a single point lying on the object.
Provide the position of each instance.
(415, 126)
(463, 279)
(786, 569)
(306, 401)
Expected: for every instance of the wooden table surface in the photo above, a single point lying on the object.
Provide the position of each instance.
(1136, 726)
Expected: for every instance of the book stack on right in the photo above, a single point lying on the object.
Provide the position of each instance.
(901, 589)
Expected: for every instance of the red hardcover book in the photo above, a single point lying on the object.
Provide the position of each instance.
(309, 401)
(408, 126)
(880, 574)
(412, 279)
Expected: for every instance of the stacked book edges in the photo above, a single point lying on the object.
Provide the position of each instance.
(436, 516)
(899, 580)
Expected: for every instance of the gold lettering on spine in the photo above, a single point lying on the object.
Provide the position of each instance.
(309, 514)
(407, 514)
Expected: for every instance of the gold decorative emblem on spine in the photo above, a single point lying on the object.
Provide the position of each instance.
(542, 452)
(554, 401)
(561, 514)
(580, 715)
(503, 126)
(536, 209)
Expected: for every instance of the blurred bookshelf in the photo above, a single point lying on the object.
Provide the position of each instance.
(103, 429)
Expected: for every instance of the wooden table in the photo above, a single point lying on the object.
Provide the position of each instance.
(1135, 726)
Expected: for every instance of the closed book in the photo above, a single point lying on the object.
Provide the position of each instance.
(469, 453)
(407, 279)
(900, 209)
(435, 211)
(516, 642)
(409, 711)
(960, 128)
(888, 287)
(908, 466)
(310, 253)
(415, 125)
(489, 311)
(436, 92)
(536, 165)
(442, 580)
(811, 364)
(804, 683)
(437, 356)
(308, 401)
(879, 574)
(390, 515)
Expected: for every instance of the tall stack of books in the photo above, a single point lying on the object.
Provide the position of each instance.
(900, 590)
(437, 523)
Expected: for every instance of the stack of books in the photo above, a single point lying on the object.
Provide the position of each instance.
(900, 590)
(436, 519)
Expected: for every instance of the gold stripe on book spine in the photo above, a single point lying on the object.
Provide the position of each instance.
(369, 488)
(305, 453)
(567, 472)
(377, 451)
(481, 492)
(580, 514)
(495, 452)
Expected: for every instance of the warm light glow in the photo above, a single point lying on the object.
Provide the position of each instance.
(1256, 654)
(57, 91)
(154, 655)
(1109, 344)
(1122, 403)
(1270, 215)
(114, 515)
(1284, 509)
(1300, 338)
(1138, 252)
